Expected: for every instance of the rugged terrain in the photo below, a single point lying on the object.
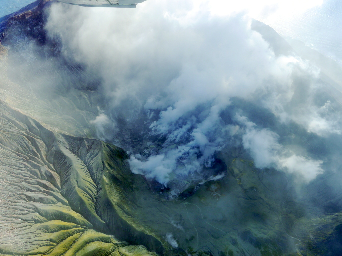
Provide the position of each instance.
(64, 192)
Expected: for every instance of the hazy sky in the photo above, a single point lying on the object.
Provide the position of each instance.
(9, 6)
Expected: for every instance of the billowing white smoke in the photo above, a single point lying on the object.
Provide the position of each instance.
(181, 66)
(266, 151)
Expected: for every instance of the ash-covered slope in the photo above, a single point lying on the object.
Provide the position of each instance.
(54, 195)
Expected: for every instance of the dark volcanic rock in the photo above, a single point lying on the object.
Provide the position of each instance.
(29, 23)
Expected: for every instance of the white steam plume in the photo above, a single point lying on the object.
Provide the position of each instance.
(181, 65)
(267, 152)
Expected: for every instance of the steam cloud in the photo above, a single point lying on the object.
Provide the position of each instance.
(181, 84)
